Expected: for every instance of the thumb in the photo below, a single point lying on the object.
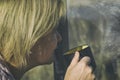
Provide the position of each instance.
(75, 59)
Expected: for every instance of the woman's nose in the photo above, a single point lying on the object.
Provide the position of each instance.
(59, 37)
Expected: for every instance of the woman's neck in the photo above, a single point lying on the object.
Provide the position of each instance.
(18, 72)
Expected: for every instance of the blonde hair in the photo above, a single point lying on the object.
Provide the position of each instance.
(22, 23)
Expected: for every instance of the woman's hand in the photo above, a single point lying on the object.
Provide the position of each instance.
(79, 70)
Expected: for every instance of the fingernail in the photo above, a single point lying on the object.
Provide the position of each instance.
(88, 59)
(76, 53)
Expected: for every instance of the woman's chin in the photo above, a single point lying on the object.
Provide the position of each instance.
(50, 60)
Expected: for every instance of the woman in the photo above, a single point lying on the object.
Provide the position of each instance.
(28, 38)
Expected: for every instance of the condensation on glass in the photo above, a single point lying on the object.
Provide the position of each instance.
(97, 23)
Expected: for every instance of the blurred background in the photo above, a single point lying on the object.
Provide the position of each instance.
(96, 23)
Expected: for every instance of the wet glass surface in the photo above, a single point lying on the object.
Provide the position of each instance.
(97, 23)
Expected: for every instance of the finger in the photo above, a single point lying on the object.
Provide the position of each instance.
(75, 59)
(85, 60)
(91, 77)
(86, 73)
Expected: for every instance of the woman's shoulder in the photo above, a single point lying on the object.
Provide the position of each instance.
(4, 72)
